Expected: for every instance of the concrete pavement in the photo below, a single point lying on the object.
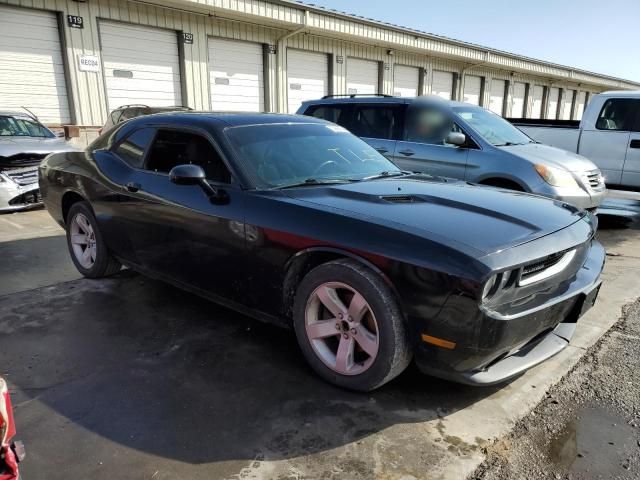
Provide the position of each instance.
(127, 377)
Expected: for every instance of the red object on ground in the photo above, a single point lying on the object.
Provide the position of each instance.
(8, 456)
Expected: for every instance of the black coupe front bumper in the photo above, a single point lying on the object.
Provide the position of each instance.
(491, 348)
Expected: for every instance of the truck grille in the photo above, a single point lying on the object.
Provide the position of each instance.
(594, 178)
(23, 176)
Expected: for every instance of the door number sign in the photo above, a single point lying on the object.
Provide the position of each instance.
(75, 21)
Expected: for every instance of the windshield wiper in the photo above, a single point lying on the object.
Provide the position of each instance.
(385, 174)
(312, 181)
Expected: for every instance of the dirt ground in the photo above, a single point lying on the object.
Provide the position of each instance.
(588, 426)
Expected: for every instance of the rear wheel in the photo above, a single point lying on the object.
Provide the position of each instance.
(86, 246)
(349, 326)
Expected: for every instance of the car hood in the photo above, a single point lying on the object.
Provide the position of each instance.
(28, 151)
(484, 219)
(551, 156)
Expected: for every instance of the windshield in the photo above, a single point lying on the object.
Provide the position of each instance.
(21, 127)
(280, 155)
(493, 128)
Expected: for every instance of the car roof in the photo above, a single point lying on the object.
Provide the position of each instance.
(425, 99)
(223, 119)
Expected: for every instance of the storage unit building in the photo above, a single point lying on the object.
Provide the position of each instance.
(307, 77)
(496, 96)
(537, 94)
(406, 81)
(141, 65)
(73, 61)
(362, 76)
(472, 89)
(567, 104)
(552, 107)
(442, 84)
(236, 76)
(32, 69)
(517, 100)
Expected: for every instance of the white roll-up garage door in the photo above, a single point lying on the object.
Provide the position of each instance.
(442, 84)
(307, 77)
(552, 109)
(406, 81)
(362, 76)
(517, 100)
(580, 105)
(536, 101)
(31, 65)
(236, 75)
(471, 91)
(567, 104)
(496, 97)
(141, 65)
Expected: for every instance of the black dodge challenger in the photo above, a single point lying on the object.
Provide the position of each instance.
(294, 220)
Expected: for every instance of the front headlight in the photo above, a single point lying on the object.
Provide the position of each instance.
(555, 176)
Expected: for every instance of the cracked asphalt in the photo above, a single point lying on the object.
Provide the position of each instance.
(130, 378)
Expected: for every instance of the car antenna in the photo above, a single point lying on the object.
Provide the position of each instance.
(31, 114)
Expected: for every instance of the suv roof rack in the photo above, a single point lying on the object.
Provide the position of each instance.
(353, 95)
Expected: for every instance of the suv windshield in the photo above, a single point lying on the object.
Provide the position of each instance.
(21, 127)
(493, 128)
(280, 155)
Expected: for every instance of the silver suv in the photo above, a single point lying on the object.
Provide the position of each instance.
(24, 142)
(459, 140)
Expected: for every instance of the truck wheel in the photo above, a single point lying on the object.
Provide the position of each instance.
(350, 327)
(88, 251)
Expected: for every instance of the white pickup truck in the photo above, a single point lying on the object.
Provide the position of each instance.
(608, 135)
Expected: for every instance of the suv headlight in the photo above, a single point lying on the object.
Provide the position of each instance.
(555, 176)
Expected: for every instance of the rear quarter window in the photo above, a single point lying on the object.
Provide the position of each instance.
(133, 148)
(333, 113)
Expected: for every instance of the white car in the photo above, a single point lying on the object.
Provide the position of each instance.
(24, 143)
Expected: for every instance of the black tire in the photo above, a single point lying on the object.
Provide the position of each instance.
(105, 264)
(394, 348)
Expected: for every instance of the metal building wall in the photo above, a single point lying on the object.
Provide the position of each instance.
(268, 24)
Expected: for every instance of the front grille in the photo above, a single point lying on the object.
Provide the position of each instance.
(594, 178)
(23, 176)
(540, 265)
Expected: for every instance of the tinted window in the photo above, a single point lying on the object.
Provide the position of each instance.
(333, 113)
(377, 121)
(132, 149)
(428, 125)
(172, 148)
(618, 114)
(280, 155)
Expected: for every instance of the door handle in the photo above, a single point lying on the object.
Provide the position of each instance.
(635, 143)
(133, 187)
(407, 152)
(381, 149)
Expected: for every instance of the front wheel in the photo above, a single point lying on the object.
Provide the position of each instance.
(349, 326)
(88, 251)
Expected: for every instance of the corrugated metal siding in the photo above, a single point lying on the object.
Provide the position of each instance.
(265, 23)
(32, 72)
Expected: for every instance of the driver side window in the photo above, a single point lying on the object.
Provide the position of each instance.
(173, 147)
(430, 125)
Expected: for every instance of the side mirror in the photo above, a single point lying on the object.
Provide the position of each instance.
(456, 138)
(189, 174)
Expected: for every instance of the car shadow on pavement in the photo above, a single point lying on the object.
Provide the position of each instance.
(159, 370)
